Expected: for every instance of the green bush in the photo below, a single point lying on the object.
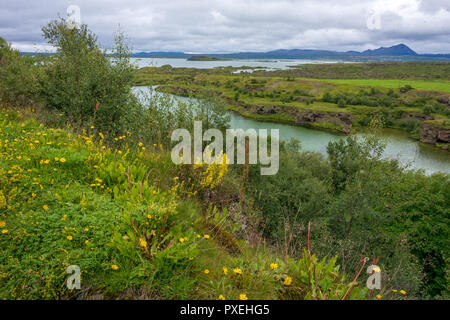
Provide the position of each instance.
(411, 125)
(82, 82)
(18, 76)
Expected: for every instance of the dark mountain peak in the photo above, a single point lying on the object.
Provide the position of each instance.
(397, 50)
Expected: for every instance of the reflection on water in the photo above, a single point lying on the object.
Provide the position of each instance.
(409, 152)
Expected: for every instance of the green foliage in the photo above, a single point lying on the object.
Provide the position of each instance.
(420, 207)
(82, 82)
(360, 205)
(282, 204)
(18, 76)
(212, 112)
(3, 43)
(67, 200)
(411, 125)
(348, 156)
(405, 88)
(320, 281)
(70, 202)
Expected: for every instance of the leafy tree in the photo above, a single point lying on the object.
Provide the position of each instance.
(83, 82)
(298, 193)
(212, 112)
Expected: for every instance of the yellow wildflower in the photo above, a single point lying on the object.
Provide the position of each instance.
(69, 238)
(62, 160)
(379, 296)
(243, 296)
(221, 297)
(181, 240)
(287, 281)
(114, 267)
(273, 266)
(403, 292)
(2, 224)
(5, 231)
(142, 242)
(206, 271)
(45, 207)
(225, 270)
(206, 236)
(237, 271)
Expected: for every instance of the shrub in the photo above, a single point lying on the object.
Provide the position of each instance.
(83, 83)
(406, 88)
(411, 125)
(18, 76)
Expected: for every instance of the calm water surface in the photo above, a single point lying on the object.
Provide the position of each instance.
(184, 63)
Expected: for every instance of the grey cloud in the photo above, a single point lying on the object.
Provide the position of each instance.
(240, 25)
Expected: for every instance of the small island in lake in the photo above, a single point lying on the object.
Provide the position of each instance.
(205, 58)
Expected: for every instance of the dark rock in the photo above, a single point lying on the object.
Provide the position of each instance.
(300, 98)
(444, 100)
(433, 135)
(418, 116)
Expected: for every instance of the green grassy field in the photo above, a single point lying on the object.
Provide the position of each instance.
(439, 71)
(439, 86)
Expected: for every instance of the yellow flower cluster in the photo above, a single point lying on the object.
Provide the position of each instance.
(142, 243)
(2, 225)
(216, 169)
(2, 200)
(287, 281)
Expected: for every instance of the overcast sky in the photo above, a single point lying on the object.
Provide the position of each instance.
(241, 25)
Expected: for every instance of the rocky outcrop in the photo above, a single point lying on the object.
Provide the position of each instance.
(341, 119)
(417, 116)
(444, 100)
(307, 117)
(179, 91)
(435, 135)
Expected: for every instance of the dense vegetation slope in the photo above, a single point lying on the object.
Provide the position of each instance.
(121, 214)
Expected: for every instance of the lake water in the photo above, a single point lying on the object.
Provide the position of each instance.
(269, 64)
(409, 152)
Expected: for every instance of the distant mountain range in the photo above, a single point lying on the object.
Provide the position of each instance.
(400, 52)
